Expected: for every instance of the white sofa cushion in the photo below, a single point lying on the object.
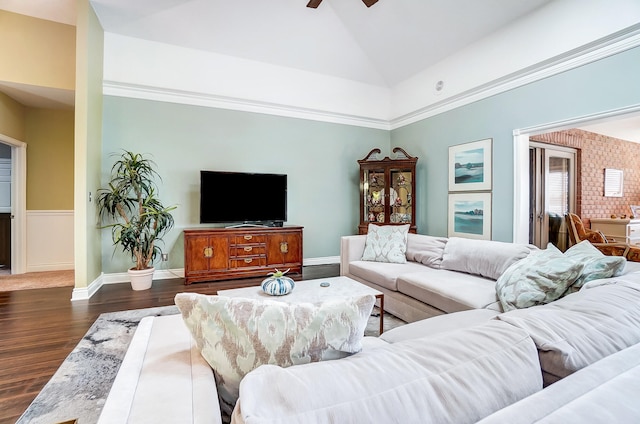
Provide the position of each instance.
(486, 258)
(237, 335)
(605, 392)
(458, 377)
(383, 274)
(438, 324)
(449, 291)
(579, 329)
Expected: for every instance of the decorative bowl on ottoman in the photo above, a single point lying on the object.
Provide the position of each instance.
(277, 284)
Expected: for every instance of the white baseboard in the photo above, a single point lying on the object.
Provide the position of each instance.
(51, 267)
(327, 260)
(84, 293)
(165, 274)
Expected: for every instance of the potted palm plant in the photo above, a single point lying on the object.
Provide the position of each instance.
(137, 218)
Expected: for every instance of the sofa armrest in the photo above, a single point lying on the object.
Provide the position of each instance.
(163, 378)
(351, 249)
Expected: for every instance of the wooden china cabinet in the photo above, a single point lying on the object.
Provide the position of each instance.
(387, 190)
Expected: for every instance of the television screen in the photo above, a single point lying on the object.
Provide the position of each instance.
(239, 197)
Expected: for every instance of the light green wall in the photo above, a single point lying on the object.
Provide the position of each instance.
(49, 138)
(607, 84)
(319, 158)
(88, 143)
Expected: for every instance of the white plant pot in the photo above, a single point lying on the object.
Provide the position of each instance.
(141, 278)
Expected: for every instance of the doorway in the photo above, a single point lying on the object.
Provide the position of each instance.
(5, 209)
(552, 190)
(18, 209)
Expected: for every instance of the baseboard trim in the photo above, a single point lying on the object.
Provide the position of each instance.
(159, 274)
(85, 293)
(50, 267)
(327, 260)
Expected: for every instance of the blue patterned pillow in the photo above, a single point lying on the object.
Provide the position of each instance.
(596, 264)
(386, 243)
(541, 277)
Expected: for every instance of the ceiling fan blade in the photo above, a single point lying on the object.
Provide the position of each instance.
(369, 3)
(315, 3)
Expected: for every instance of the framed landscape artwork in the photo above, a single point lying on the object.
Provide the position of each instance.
(470, 166)
(470, 215)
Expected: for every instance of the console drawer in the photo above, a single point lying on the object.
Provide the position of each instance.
(248, 262)
(248, 239)
(247, 250)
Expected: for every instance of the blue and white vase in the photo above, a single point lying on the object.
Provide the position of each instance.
(277, 284)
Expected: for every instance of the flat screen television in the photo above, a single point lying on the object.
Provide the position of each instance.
(243, 198)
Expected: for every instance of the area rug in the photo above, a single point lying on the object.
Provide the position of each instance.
(79, 388)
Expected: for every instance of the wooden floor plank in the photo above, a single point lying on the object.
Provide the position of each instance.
(39, 328)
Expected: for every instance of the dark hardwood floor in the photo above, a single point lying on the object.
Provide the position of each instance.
(39, 328)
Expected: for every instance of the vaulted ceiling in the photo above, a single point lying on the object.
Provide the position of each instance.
(381, 45)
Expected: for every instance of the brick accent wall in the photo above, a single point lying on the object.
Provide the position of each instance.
(595, 153)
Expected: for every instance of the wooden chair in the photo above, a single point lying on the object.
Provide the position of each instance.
(578, 232)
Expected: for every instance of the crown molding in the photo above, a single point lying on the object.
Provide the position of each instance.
(144, 92)
(600, 49)
(615, 43)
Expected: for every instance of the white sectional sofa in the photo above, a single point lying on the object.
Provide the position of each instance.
(440, 276)
(460, 367)
(575, 359)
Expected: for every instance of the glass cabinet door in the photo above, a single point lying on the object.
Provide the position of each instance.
(387, 190)
(373, 186)
(400, 198)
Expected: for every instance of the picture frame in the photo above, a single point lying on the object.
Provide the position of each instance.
(613, 182)
(635, 211)
(470, 166)
(470, 215)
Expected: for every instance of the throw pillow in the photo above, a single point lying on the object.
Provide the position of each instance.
(386, 243)
(596, 264)
(487, 258)
(427, 250)
(542, 277)
(237, 335)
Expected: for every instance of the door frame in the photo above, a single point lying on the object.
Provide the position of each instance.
(18, 203)
(521, 162)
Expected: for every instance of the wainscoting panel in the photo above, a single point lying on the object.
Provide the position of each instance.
(49, 240)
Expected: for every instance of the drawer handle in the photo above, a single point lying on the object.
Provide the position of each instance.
(284, 247)
(248, 261)
(208, 252)
(248, 237)
(248, 249)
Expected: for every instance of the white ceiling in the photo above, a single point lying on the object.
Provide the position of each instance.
(382, 45)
